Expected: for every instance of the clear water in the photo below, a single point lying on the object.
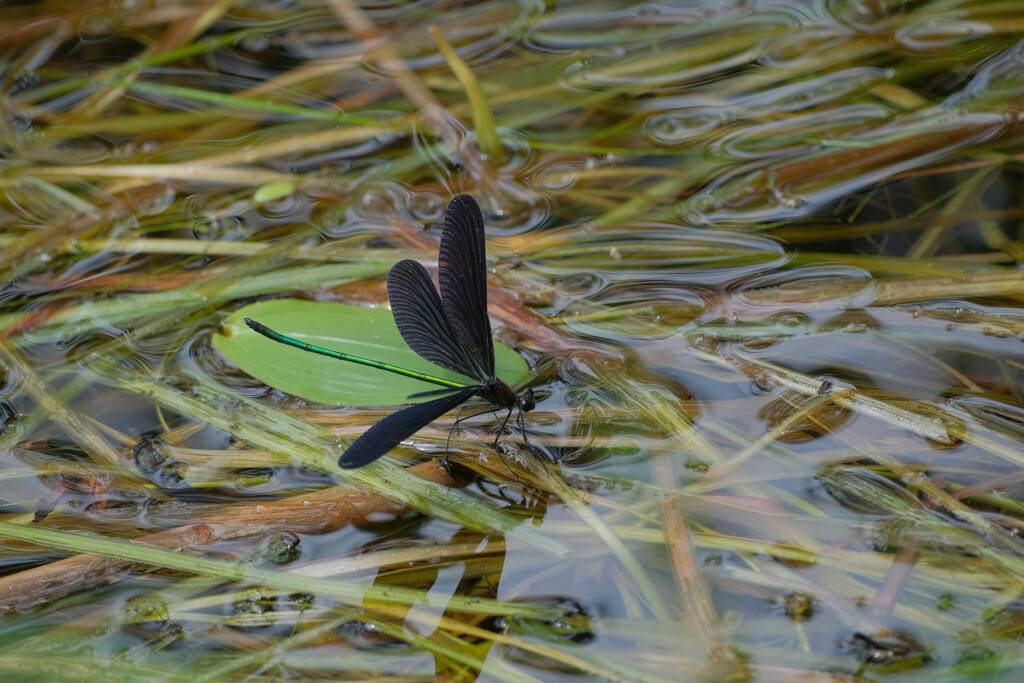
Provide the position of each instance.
(763, 257)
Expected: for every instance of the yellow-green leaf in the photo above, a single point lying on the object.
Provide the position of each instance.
(279, 189)
(361, 331)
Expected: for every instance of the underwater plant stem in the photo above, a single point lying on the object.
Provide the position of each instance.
(314, 513)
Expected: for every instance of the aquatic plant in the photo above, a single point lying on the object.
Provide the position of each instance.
(762, 260)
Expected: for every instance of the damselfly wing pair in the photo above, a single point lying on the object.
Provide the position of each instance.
(451, 330)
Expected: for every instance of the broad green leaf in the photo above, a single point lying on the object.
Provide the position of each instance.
(361, 331)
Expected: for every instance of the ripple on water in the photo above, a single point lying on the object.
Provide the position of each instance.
(803, 94)
(372, 208)
(996, 415)
(812, 92)
(683, 125)
(866, 16)
(515, 209)
(693, 116)
(84, 149)
(804, 48)
(786, 413)
(940, 33)
(798, 134)
(559, 176)
(626, 312)
(999, 80)
(612, 49)
(426, 207)
(478, 33)
(615, 71)
(568, 29)
(644, 252)
(517, 155)
(809, 286)
(198, 357)
(332, 158)
(228, 85)
(754, 193)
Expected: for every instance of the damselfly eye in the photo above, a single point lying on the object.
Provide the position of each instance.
(527, 401)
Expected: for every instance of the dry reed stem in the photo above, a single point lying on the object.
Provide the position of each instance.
(899, 573)
(76, 428)
(698, 606)
(310, 513)
(433, 112)
(39, 240)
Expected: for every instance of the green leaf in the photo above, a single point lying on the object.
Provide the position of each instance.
(273, 191)
(361, 331)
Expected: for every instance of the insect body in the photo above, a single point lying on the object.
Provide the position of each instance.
(451, 330)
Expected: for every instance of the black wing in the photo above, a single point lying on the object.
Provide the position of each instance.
(420, 317)
(462, 273)
(396, 427)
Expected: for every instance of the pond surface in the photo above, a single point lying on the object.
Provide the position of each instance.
(760, 257)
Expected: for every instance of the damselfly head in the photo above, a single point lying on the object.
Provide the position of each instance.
(526, 400)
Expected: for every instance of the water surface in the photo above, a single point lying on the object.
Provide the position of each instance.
(762, 258)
